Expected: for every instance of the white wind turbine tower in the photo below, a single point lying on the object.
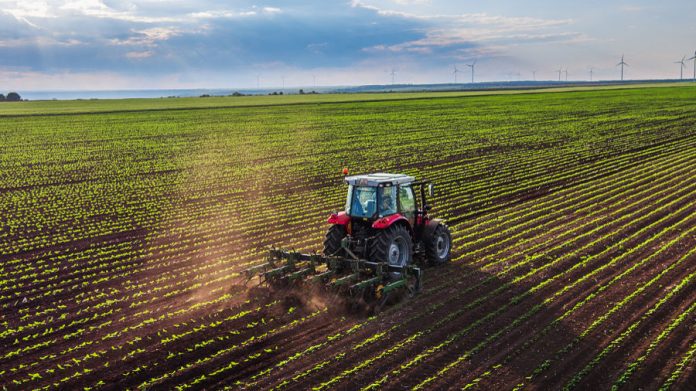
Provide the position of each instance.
(566, 74)
(393, 75)
(534, 75)
(591, 73)
(559, 73)
(456, 71)
(694, 60)
(681, 67)
(472, 66)
(622, 64)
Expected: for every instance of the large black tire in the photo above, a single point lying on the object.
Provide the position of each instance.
(332, 242)
(438, 247)
(394, 246)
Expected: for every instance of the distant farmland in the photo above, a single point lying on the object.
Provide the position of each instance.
(124, 226)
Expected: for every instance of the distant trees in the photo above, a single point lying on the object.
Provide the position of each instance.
(11, 97)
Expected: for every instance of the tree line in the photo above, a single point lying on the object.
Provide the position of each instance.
(11, 97)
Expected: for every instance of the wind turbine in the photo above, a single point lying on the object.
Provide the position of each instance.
(694, 60)
(681, 67)
(591, 73)
(534, 75)
(314, 78)
(559, 73)
(456, 71)
(566, 74)
(472, 66)
(393, 75)
(258, 81)
(621, 64)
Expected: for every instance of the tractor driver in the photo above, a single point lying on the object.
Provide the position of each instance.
(387, 205)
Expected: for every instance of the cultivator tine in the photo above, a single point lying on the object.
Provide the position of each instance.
(255, 271)
(277, 273)
(344, 281)
(394, 286)
(323, 277)
(300, 274)
(365, 284)
(416, 272)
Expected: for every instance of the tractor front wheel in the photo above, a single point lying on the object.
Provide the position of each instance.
(332, 243)
(439, 245)
(392, 245)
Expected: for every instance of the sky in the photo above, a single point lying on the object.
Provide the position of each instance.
(154, 44)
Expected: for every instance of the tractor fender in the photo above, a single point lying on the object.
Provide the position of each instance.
(340, 218)
(430, 228)
(386, 222)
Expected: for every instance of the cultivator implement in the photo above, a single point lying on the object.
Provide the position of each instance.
(353, 277)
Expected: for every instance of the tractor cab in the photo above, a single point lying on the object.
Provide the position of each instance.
(379, 195)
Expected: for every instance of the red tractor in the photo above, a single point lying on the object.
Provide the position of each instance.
(384, 222)
(376, 246)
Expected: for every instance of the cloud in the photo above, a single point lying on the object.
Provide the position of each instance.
(271, 10)
(140, 55)
(462, 35)
(146, 38)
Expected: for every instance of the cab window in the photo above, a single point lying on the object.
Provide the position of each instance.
(407, 202)
(362, 201)
(387, 200)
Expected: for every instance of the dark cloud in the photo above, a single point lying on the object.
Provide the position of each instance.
(244, 37)
(159, 38)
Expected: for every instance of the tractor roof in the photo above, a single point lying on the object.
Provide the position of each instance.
(379, 179)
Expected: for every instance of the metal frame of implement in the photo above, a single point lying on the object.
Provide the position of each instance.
(346, 274)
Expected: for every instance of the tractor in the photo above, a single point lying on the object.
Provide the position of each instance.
(375, 247)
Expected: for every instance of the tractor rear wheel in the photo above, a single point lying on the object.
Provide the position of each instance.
(439, 245)
(332, 243)
(392, 245)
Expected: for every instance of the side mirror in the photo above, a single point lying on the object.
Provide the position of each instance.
(431, 189)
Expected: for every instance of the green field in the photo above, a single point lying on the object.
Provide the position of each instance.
(112, 105)
(124, 226)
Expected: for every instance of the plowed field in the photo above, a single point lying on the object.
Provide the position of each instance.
(123, 232)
